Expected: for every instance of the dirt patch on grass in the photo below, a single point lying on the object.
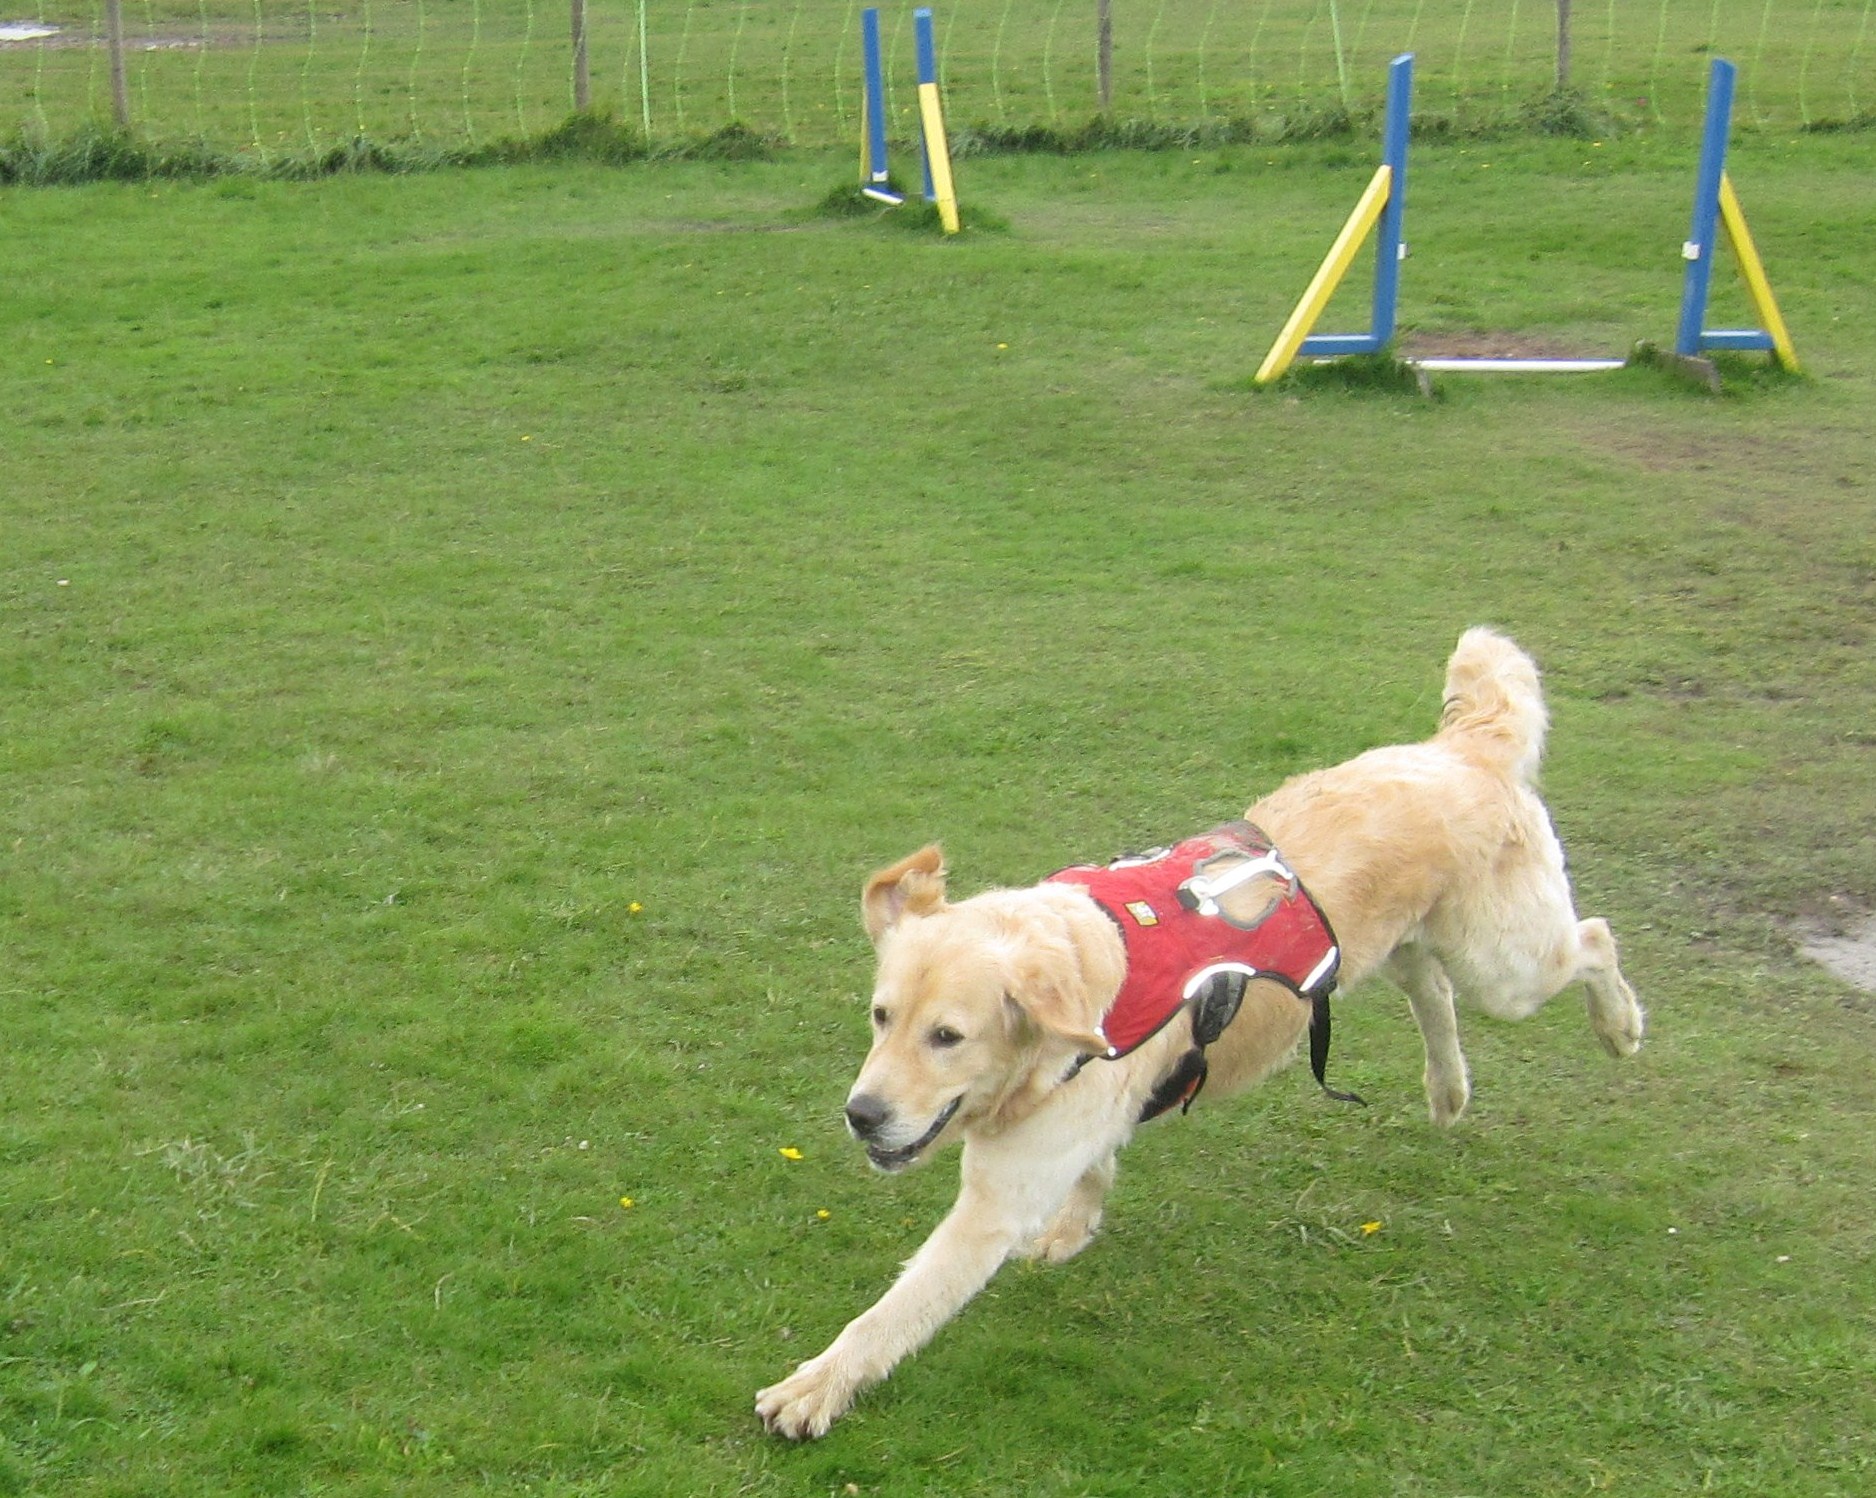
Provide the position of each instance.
(1496, 346)
(1821, 462)
(1843, 940)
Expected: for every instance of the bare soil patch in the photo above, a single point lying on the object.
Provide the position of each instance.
(1502, 345)
(1843, 941)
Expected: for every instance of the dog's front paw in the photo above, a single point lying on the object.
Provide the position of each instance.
(1447, 1096)
(803, 1405)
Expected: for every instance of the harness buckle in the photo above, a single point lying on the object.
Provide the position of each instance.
(1201, 892)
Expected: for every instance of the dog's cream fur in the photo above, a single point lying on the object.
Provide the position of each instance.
(1437, 866)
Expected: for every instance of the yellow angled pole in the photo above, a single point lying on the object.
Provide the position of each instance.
(1334, 266)
(1753, 269)
(938, 156)
(938, 185)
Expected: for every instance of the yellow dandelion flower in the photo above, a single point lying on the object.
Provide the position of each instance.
(823, 1214)
(627, 1203)
(1369, 1229)
(789, 1152)
(634, 908)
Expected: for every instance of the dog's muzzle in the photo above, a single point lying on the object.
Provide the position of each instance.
(866, 1117)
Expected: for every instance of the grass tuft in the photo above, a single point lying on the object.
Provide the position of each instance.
(1104, 133)
(734, 142)
(1721, 372)
(95, 152)
(99, 153)
(1861, 120)
(917, 216)
(1358, 374)
(845, 200)
(1564, 112)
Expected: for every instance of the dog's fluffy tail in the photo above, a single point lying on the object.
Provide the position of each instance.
(1494, 703)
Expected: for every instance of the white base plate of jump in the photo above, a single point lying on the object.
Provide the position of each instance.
(1516, 366)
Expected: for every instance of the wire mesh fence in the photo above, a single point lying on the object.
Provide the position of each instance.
(278, 75)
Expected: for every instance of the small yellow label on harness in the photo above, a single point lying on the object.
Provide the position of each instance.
(1142, 912)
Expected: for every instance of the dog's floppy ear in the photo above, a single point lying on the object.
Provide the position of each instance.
(915, 885)
(1052, 989)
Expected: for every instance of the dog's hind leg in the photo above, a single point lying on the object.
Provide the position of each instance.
(1615, 1014)
(1430, 993)
(1512, 968)
(1075, 1225)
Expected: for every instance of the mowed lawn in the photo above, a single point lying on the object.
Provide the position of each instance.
(467, 637)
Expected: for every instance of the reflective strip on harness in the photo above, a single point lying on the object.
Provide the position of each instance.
(1177, 933)
(1195, 915)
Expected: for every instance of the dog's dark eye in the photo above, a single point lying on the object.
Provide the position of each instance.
(879, 1015)
(944, 1036)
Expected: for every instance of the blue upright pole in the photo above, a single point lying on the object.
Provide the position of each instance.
(1698, 251)
(927, 73)
(877, 174)
(1388, 245)
(1389, 226)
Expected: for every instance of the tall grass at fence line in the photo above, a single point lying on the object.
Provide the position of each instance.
(93, 153)
(267, 78)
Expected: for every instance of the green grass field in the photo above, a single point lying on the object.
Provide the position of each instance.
(468, 637)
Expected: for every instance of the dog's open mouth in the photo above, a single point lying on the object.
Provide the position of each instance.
(890, 1160)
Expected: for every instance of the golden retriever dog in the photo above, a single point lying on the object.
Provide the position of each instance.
(1436, 865)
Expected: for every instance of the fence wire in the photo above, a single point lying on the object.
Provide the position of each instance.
(285, 74)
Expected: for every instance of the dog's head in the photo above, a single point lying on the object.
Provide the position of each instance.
(975, 1005)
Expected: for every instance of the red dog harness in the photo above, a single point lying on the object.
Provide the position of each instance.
(1188, 943)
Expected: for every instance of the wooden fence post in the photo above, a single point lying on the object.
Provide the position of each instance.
(1563, 45)
(582, 81)
(644, 74)
(1104, 53)
(120, 89)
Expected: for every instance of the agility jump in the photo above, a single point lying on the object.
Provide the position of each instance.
(934, 147)
(1383, 204)
(1715, 200)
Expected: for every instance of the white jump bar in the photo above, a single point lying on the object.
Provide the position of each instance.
(1516, 366)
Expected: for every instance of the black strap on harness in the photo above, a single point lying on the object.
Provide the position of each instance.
(1319, 1045)
(1214, 1008)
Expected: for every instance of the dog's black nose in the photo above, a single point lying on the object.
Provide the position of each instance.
(866, 1115)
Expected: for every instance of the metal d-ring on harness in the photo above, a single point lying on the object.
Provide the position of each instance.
(1185, 951)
